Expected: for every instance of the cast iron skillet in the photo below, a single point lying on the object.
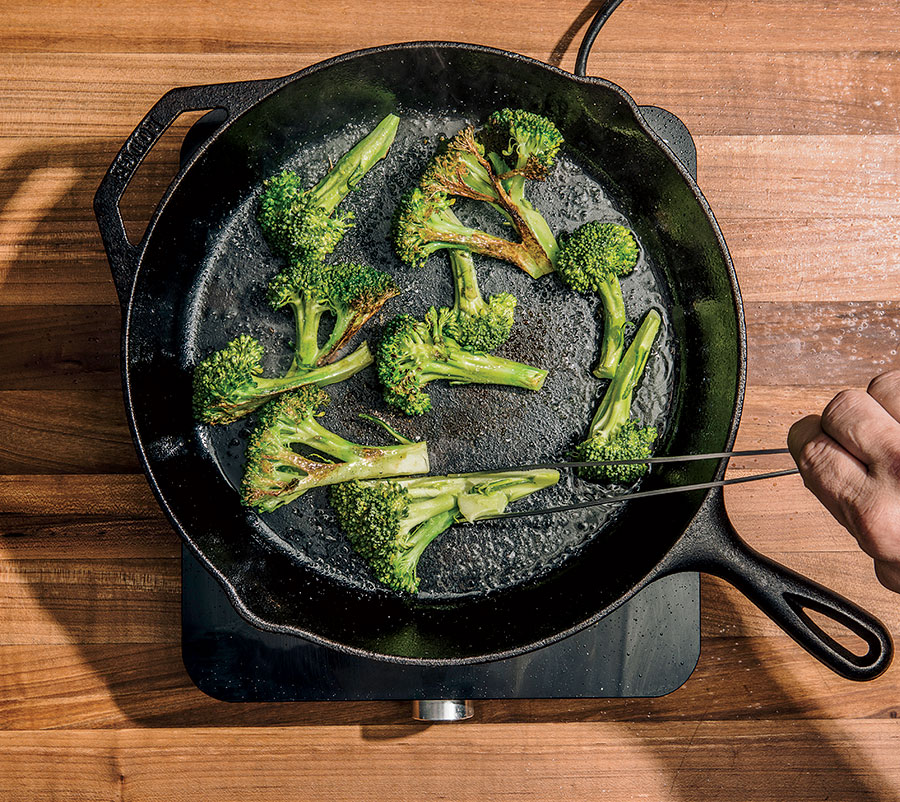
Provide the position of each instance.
(193, 282)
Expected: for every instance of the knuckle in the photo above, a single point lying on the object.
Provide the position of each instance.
(812, 455)
(885, 384)
(844, 407)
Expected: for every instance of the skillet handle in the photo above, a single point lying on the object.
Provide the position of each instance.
(233, 98)
(711, 545)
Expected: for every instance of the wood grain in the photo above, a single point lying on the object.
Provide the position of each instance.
(794, 109)
(682, 760)
(115, 26)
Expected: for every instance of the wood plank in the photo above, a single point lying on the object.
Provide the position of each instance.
(816, 259)
(834, 92)
(116, 26)
(688, 761)
(64, 431)
(104, 686)
(799, 177)
(60, 347)
(76, 516)
(812, 344)
(91, 601)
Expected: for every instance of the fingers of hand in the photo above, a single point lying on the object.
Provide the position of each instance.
(833, 475)
(888, 574)
(860, 423)
(885, 389)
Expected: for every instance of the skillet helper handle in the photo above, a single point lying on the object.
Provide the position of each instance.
(599, 20)
(711, 545)
(122, 254)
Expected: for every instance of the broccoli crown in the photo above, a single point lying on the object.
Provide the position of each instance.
(308, 401)
(351, 292)
(371, 515)
(273, 469)
(460, 168)
(631, 441)
(225, 378)
(338, 287)
(424, 223)
(531, 140)
(276, 472)
(488, 328)
(294, 220)
(416, 230)
(399, 360)
(391, 522)
(593, 253)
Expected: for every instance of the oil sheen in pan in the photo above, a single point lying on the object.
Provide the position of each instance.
(471, 427)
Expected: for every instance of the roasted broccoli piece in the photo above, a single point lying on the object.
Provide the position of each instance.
(277, 472)
(422, 226)
(297, 221)
(591, 260)
(229, 384)
(476, 324)
(352, 293)
(414, 352)
(461, 168)
(390, 522)
(522, 145)
(526, 142)
(613, 434)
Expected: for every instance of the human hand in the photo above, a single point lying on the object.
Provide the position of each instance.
(849, 457)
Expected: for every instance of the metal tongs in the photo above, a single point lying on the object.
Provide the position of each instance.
(662, 491)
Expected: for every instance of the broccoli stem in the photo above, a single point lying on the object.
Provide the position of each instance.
(419, 540)
(615, 408)
(307, 318)
(355, 461)
(467, 295)
(465, 367)
(537, 227)
(451, 233)
(354, 164)
(322, 376)
(614, 320)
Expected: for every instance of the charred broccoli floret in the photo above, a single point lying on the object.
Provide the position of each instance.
(422, 226)
(229, 384)
(277, 472)
(414, 352)
(522, 145)
(613, 434)
(298, 221)
(352, 293)
(390, 522)
(463, 168)
(591, 260)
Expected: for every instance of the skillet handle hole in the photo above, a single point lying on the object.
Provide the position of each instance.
(154, 175)
(838, 632)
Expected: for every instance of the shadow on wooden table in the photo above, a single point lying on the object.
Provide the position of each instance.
(105, 584)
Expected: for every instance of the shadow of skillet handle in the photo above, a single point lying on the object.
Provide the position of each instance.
(232, 98)
(711, 544)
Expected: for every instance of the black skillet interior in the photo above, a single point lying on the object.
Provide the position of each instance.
(489, 589)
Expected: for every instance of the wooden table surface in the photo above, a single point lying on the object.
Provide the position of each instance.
(794, 107)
